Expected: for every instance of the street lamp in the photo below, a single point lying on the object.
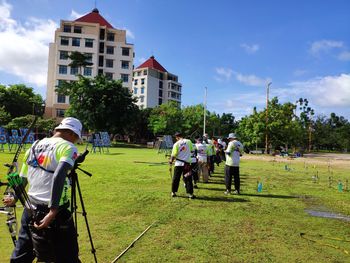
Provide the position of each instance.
(267, 112)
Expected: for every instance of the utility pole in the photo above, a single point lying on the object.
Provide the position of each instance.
(205, 109)
(267, 115)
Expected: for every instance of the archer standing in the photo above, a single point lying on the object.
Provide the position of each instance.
(233, 154)
(181, 154)
(49, 234)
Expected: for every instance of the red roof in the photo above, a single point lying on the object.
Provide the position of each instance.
(94, 17)
(152, 63)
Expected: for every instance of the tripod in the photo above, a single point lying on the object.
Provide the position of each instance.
(73, 176)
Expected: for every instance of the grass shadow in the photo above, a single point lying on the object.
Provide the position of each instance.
(151, 163)
(217, 199)
(270, 196)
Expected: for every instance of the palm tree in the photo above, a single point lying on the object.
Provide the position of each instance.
(79, 60)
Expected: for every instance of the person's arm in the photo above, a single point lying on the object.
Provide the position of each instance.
(56, 192)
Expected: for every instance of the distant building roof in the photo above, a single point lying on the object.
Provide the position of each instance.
(152, 63)
(94, 17)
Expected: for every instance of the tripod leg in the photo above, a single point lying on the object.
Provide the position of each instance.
(93, 250)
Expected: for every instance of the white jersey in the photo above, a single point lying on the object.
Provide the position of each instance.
(202, 152)
(233, 153)
(48, 153)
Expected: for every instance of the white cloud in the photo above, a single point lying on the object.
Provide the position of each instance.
(345, 56)
(252, 80)
(223, 74)
(129, 33)
(250, 49)
(321, 46)
(328, 91)
(24, 48)
(299, 72)
(75, 15)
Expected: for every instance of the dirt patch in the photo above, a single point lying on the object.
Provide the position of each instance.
(340, 160)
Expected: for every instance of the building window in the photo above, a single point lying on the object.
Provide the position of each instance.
(87, 71)
(67, 28)
(74, 70)
(60, 113)
(160, 84)
(102, 47)
(142, 106)
(109, 75)
(76, 42)
(142, 81)
(125, 51)
(110, 36)
(124, 77)
(110, 50)
(62, 69)
(135, 90)
(145, 72)
(64, 41)
(102, 34)
(63, 55)
(100, 61)
(88, 57)
(60, 82)
(135, 82)
(100, 71)
(138, 73)
(109, 63)
(160, 101)
(142, 98)
(77, 29)
(142, 90)
(61, 98)
(160, 93)
(89, 42)
(160, 75)
(125, 64)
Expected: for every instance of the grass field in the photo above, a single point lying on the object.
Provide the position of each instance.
(130, 189)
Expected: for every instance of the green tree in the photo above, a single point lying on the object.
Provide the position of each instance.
(19, 100)
(79, 60)
(101, 104)
(193, 119)
(5, 117)
(166, 119)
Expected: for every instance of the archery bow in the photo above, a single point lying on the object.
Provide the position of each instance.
(14, 186)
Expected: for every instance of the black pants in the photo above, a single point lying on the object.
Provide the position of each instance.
(63, 234)
(178, 171)
(229, 172)
(211, 163)
(194, 167)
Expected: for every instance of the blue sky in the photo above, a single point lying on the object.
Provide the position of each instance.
(234, 48)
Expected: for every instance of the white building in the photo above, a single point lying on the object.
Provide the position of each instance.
(106, 47)
(153, 85)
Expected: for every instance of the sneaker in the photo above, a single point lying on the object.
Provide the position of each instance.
(237, 192)
(227, 192)
(173, 195)
(191, 196)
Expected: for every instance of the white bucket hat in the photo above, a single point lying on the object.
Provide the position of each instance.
(72, 124)
(232, 136)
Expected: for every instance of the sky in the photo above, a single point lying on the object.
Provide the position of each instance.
(234, 48)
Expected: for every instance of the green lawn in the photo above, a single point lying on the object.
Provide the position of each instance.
(130, 189)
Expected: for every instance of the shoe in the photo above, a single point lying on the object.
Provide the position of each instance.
(191, 196)
(227, 192)
(195, 186)
(173, 195)
(236, 192)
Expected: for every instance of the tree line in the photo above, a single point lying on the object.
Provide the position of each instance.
(105, 105)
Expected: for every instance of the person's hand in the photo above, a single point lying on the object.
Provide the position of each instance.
(46, 221)
(9, 200)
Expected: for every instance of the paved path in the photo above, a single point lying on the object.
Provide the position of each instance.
(334, 156)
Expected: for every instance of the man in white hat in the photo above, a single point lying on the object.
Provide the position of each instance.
(52, 237)
(233, 153)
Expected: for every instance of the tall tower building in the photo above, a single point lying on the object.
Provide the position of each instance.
(153, 85)
(105, 46)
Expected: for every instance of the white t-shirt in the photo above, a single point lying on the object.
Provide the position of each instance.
(49, 152)
(233, 152)
(202, 152)
(182, 151)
